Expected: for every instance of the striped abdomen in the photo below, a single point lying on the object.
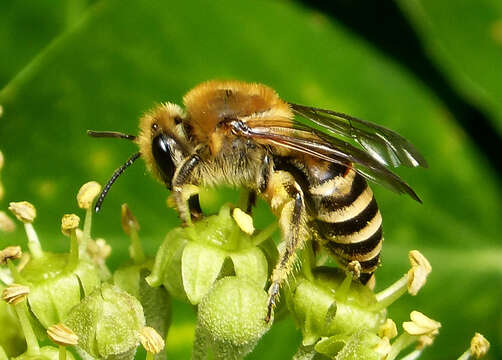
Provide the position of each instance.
(347, 216)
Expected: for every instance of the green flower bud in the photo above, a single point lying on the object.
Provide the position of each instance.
(320, 312)
(46, 353)
(191, 259)
(12, 339)
(107, 323)
(357, 346)
(231, 319)
(156, 302)
(54, 290)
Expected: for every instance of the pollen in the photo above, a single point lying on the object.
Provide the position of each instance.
(245, 221)
(479, 346)
(87, 194)
(420, 269)
(151, 340)
(15, 293)
(421, 325)
(10, 253)
(69, 222)
(24, 211)
(62, 335)
(388, 329)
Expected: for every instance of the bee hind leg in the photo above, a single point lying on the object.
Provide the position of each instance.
(291, 221)
(183, 190)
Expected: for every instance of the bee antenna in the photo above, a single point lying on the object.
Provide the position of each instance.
(110, 134)
(114, 177)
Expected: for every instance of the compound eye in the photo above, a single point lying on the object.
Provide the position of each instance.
(161, 149)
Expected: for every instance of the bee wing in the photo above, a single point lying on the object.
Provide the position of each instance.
(382, 144)
(312, 143)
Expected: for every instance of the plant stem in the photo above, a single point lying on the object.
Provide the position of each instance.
(403, 341)
(466, 356)
(73, 256)
(137, 254)
(149, 356)
(265, 234)
(392, 293)
(16, 276)
(62, 352)
(33, 242)
(32, 347)
(86, 233)
(414, 355)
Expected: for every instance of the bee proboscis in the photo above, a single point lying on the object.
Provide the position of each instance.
(309, 164)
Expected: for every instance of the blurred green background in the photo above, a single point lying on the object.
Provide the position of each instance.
(68, 66)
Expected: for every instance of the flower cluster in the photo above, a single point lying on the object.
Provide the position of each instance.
(221, 265)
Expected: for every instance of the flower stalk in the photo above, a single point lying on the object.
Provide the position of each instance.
(26, 213)
(85, 198)
(131, 227)
(16, 295)
(411, 282)
(69, 225)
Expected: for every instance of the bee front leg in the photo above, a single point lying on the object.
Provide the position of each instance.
(182, 189)
(291, 220)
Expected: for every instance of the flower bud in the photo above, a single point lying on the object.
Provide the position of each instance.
(107, 323)
(12, 339)
(87, 194)
(46, 353)
(69, 222)
(129, 222)
(231, 317)
(24, 211)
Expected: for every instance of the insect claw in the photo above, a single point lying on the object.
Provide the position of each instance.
(273, 292)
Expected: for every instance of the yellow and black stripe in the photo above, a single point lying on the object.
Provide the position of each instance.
(348, 218)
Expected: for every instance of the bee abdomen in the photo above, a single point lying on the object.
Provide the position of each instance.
(349, 221)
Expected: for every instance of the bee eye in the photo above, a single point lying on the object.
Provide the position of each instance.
(177, 120)
(161, 149)
(155, 126)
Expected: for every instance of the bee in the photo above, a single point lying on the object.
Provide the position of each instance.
(309, 164)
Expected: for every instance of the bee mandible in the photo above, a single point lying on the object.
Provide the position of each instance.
(309, 164)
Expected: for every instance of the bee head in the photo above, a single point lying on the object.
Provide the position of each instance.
(162, 141)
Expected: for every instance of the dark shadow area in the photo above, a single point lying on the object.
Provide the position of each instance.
(381, 23)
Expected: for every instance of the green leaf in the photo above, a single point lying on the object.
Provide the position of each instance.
(125, 59)
(469, 51)
(200, 267)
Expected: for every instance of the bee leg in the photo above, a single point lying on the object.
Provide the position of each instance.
(182, 189)
(251, 202)
(291, 221)
(194, 206)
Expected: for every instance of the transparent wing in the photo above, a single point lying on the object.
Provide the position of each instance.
(382, 144)
(334, 150)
